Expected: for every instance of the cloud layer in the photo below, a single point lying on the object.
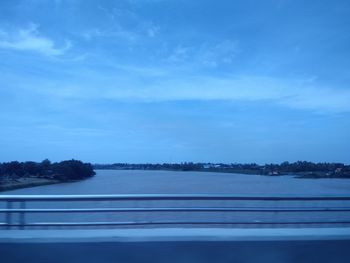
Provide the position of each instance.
(188, 80)
(295, 94)
(29, 39)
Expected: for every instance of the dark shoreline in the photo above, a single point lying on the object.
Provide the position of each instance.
(39, 182)
(300, 169)
(16, 175)
(13, 185)
(298, 175)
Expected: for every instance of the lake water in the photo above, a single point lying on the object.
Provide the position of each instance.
(169, 182)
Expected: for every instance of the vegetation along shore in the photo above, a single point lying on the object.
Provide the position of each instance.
(16, 174)
(300, 169)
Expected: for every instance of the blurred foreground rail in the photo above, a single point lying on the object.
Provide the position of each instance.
(16, 208)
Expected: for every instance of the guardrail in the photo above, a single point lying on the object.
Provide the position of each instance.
(23, 201)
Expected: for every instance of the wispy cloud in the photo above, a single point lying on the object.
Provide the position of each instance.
(30, 39)
(116, 31)
(152, 30)
(304, 94)
(91, 33)
(206, 54)
(223, 52)
(124, 24)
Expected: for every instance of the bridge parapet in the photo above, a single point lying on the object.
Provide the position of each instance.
(180, 210)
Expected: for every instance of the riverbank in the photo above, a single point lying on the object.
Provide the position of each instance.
(14, 175)
(299, 168)
(26, 182)
(299, 175)
(322, 176)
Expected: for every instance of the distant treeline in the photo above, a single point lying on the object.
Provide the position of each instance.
(65, 170)
(300, 167)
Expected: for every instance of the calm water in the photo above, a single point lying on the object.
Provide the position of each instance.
(143, 182)
(121, 182)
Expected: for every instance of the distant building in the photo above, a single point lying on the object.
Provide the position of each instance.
(211, 165)
(338, 170)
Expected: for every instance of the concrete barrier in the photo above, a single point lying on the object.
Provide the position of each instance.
(331, 245)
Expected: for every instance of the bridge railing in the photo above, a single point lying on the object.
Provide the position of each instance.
(22, 202)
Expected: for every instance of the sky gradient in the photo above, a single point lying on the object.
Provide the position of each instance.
(172, 81)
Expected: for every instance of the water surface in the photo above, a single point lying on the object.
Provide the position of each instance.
(169, 182)
(157, 182)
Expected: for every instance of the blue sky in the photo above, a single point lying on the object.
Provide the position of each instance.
(172, 81)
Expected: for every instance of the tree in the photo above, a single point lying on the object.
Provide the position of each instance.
(72, 170)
